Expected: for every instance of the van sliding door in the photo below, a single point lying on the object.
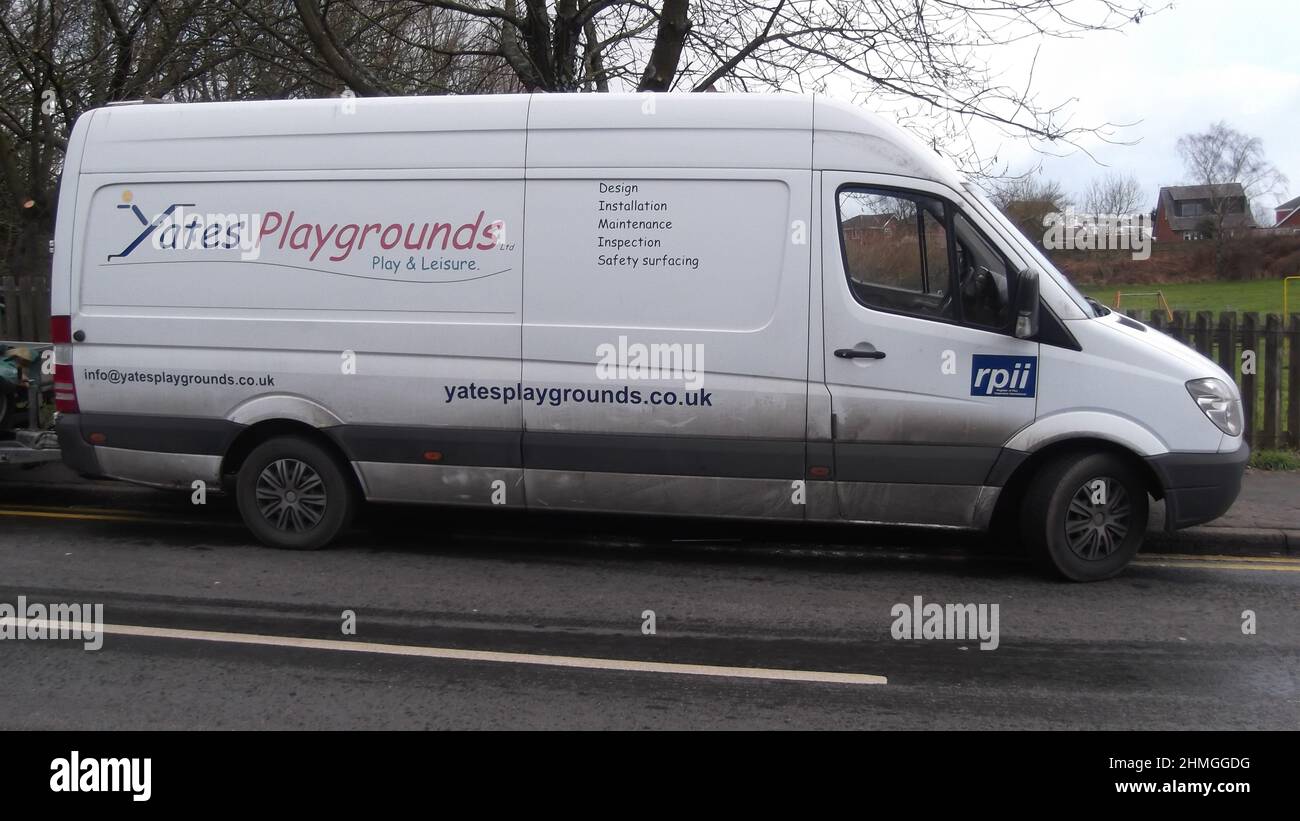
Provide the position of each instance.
(665, 319)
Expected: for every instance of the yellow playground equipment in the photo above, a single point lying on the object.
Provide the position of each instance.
(1159, 295)
(1286, 283)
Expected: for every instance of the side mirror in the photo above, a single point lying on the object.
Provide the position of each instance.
(1027, 304)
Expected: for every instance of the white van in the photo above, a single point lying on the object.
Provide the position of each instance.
(719, 305)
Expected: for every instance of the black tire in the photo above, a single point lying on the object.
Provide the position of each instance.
(294, 494)
(1084, 516)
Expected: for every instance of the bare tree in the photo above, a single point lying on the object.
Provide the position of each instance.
(59, 59)
(925, 61)
(1113, 193)
(1221, 159)
(1027, 200)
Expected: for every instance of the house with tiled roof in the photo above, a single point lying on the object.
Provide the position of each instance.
(864, 225)
(1192, 212)
(1288, 214)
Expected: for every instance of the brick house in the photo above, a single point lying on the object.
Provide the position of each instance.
(864, 225)
(1288, 214)
(1186, 212)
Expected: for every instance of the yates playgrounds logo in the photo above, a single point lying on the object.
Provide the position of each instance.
(392, 247)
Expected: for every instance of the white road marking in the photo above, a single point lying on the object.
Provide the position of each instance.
(580, 662)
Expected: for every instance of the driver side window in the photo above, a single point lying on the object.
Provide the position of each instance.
(895, 248)
(911, 253)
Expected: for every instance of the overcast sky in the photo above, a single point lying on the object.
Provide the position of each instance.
(1177, 71)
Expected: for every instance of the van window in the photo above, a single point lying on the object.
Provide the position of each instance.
(984, 292)
(908, 252)
(1027, 248)
(895, 248)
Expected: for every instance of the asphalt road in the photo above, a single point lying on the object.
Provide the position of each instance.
(561, 601)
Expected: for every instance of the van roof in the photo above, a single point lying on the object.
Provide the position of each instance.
(643, 130)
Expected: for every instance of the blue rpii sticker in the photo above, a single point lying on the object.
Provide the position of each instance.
(997, 375)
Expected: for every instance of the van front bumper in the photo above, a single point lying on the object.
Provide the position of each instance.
(1199, 487)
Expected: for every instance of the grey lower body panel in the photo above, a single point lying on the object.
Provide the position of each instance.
(965, 507)
(617, 473)
(735, 457)
(174, 471)
(711, 496)
(164, 434)
(876, 462)
(158, 451)
(441, 484)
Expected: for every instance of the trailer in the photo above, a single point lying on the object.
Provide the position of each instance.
(32, 444)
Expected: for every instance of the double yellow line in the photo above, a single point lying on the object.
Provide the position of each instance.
(1274, 564)
(89, 515)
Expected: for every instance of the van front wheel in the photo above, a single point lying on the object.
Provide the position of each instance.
(1084, 517)
(293, 494)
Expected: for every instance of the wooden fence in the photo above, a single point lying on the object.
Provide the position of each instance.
(1261, 352)
(25, 309)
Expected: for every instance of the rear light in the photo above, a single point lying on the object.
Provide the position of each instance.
(65, 392)
(61, 330)
(65, 388)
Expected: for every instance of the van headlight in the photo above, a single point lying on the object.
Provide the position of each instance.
(1217, 402)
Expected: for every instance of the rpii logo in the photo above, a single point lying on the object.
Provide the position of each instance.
(1000, 375)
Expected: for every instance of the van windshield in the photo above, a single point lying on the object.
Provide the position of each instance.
(995, 213)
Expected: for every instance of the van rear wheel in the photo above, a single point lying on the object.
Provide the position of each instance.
(1084, 517)
(294, 494)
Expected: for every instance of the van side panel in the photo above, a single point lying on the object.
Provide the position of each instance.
(667, 343)
(666, 311)
(375, 133)
(342, 292)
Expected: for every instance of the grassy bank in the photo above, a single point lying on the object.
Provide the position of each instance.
(1263, 296)
(1275, 460)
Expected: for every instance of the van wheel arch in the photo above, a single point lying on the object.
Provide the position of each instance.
(1004, 524)
(266, 430)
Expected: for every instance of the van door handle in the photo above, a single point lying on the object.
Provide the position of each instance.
(854, 353)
